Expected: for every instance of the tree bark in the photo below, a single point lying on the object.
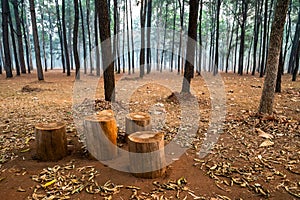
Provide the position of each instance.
(279, 72)
(97, 39)
(101, 136)
(216, 65)
(89, 34)
(19, 37)
(190, 54)
(149, 19)
(64, 32)
(51, 141)
(294, 50)
(147, 156)
(75, 39)
(135, 122)
(263, 59)
(59, 27)
(181, 6)
(242, 44)
(295, 72)
(267, 98)
(83, 39)
(128, 41)
(108, 64)
(257, 22)
(142, 51)
(36, 42)
(5, 32)
(132, 40)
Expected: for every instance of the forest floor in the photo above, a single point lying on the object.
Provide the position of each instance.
(255, 157)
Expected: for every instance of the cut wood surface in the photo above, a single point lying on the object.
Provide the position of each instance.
(136, 122)
(51, 141)
(147, 156)
(101, 135)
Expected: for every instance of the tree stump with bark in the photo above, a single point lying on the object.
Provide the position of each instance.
(136, 122)
(51, 141)
(146, 154)
(101, 135)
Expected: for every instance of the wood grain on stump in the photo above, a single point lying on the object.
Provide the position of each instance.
(51, 141)
(101, 135)
(147, 156)
(136, 122)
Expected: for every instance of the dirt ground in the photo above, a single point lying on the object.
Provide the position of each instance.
(256, 156)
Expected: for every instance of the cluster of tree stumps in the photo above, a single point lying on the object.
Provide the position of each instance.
(146, 148)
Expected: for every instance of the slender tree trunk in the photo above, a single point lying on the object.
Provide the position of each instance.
(50, 40)
(267, 98)
(200, 38)
(83, 40)
(295, 72)
(190, 54)
(41, 7)
(97, 38)
(27, 40)
(14, 45)
(59, 27)
(115, 40)
(165, 35)
(288, 32)
(294, 51)
(67, 55)
(36, 42)
(123, 45)
(173, 39)
(229, 47)
(108, 66)
(132, 40)
(257, 22)
(149, 19)
(128, 41)
(216, 66)
(242, 44)
(89, 34)
(263, 59)
(5, 32)
(280, 71)
(19, 37)
(70, 24)
(143, 21)
(249, 56)
(181, 6)
(75, 39)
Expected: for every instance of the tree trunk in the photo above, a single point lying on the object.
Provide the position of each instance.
(14, 46)
(263, 59)
(216, 66)
(132, 40)
(279, 72)
(128, 41)
(147, 156)
(242, 44)
(200, 38)
(295, 72)
(165, 36)
(19, 37)
(51, 141)
(36, 42)
(43, 36)
(149, 19)
(115, 40)
(257, 22)
(108, 65)
(267, 98)
(5, 32)
(288, 32)
(50, 40)
(181, 6)
(142, 51)
(97, 39)
(101, 136)
(295, 45)
(173, 39)
(64, 32)
(75, 39)
(89, 34)
(249, 56)
(25, 32)
(190, 54)
(59, 27)
(229, 47)
(83, 39)
(70, 26)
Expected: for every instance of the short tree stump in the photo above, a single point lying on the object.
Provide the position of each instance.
(136, 122)
(51, 141)
(146, 154)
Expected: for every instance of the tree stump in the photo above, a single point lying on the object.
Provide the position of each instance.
(51, 141)
(146, 154)
(136, 122)
(101, 135)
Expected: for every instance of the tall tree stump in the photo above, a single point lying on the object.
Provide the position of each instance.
(137, 122)
(101, 135)
(51, 141)
(146, 154)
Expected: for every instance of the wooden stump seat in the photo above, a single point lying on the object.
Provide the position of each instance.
(146, 154)
(51, 141)
(136, 122)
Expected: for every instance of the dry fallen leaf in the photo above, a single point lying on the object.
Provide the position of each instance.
(266, 143)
